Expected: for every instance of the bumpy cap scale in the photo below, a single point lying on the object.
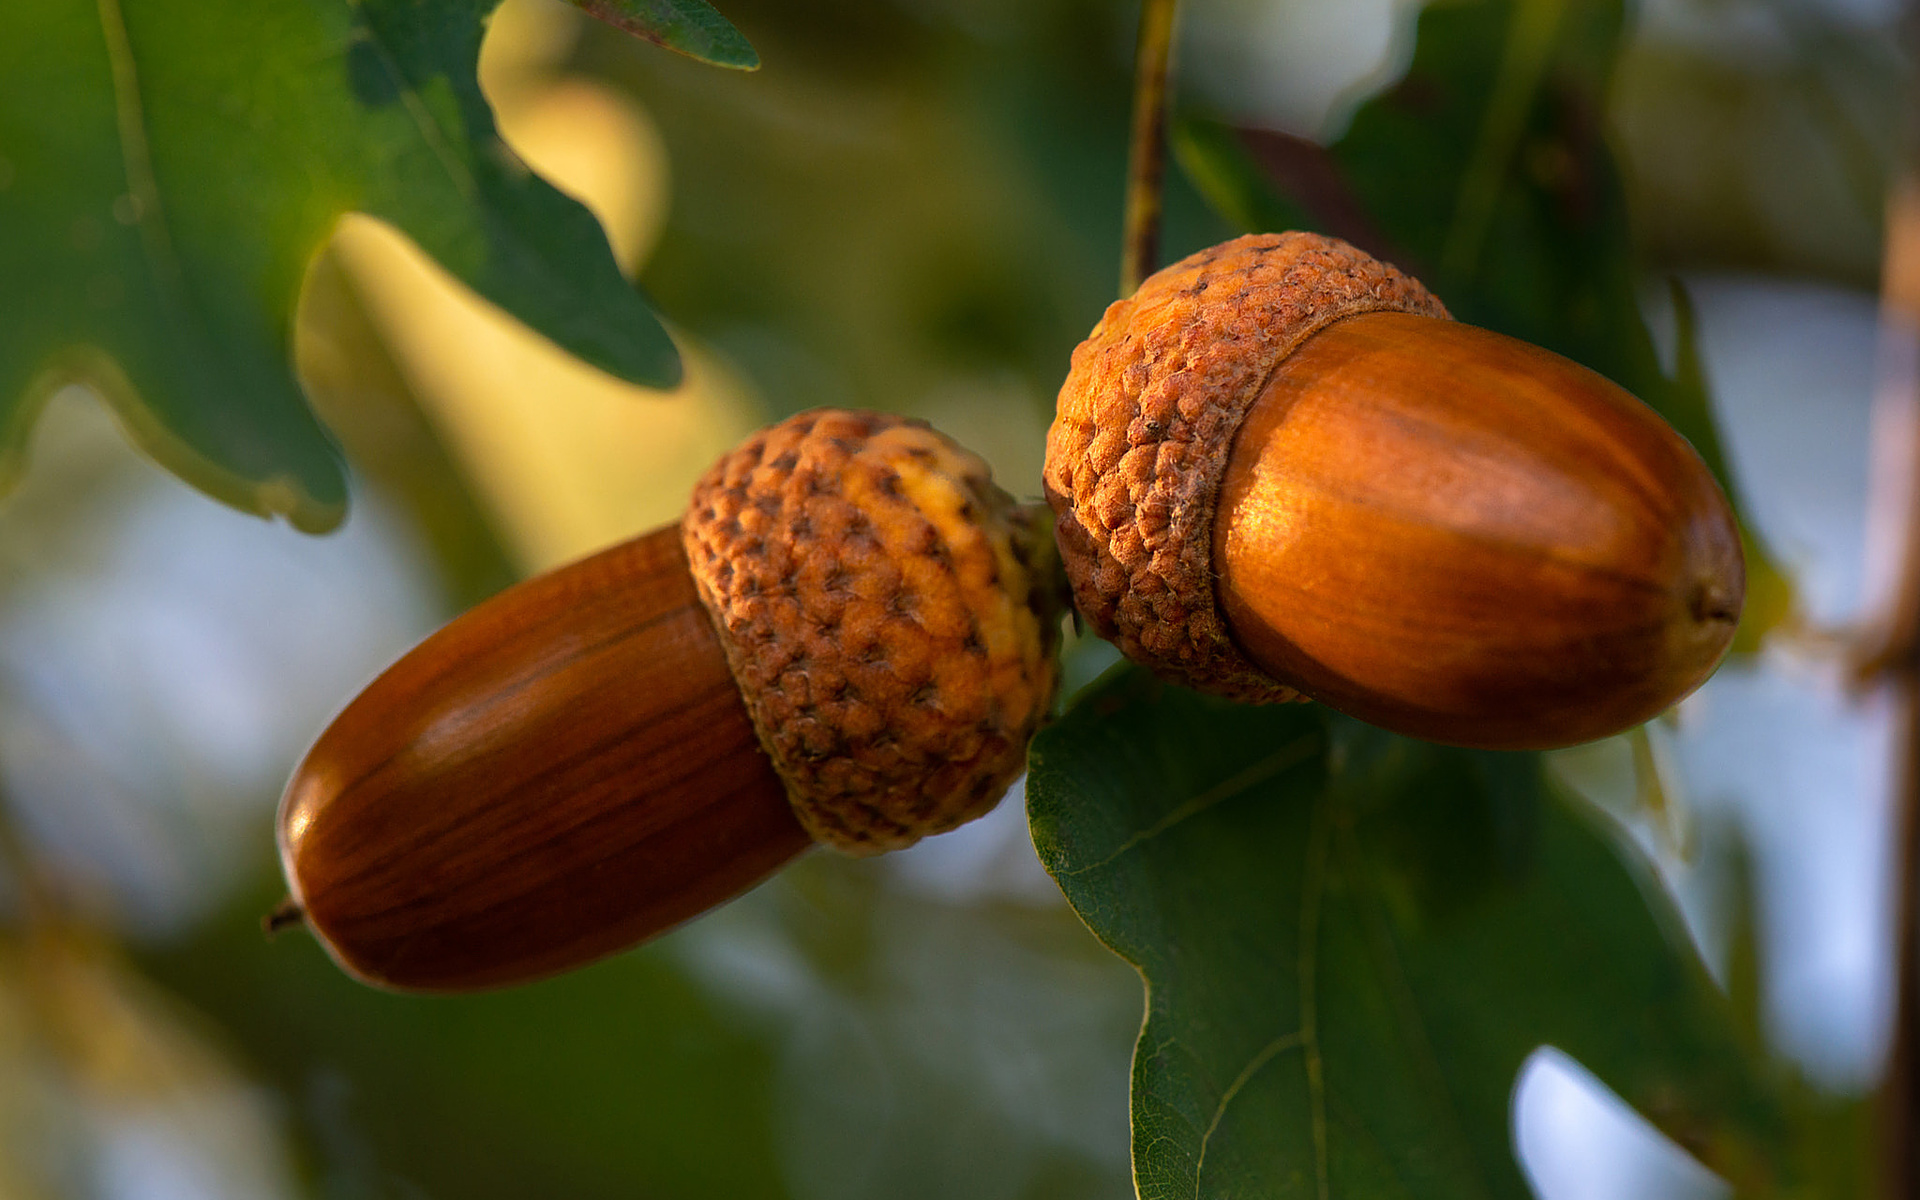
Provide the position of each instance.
(885, 611)
(1145, 423)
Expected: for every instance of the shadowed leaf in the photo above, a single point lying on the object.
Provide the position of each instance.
(1353, 941)
(691, 27)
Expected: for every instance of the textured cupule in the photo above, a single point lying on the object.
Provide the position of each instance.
(1145, 424)
(887, 614)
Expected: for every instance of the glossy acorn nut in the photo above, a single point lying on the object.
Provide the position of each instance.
(848, 640)
(1279, 470)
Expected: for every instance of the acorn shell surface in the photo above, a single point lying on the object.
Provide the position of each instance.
(1456, 535)
(1138, 448)
(559, 773)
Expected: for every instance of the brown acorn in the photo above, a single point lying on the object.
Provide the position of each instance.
(849, 639)
(1280, 470)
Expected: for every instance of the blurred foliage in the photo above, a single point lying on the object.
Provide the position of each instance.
(915, 207)
(833, 1035)
(1769, 150)
(348, 371)
(965, 1043)
(613, 1082)
(1828, 1143)
(690, 26)
(107, 1085)
(1352, 942)
(446, 402)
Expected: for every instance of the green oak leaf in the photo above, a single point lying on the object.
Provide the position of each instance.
(1351, 943)
(1485, 172)
(167, 171)
(691, 27)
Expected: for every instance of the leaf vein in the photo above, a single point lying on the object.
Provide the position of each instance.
(1288, 756)
(136, 154)
(1312, 890)
(1279, 1045)
(1523, 63)
(423, 119)
(1429, 1074)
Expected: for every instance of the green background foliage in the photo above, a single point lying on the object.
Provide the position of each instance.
(1351, 942)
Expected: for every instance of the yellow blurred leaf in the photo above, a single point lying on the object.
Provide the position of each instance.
(101, 1072)
(598, 147)
(566, 458)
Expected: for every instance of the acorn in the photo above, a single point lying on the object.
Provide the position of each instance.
(848, 640)
(1280, 470)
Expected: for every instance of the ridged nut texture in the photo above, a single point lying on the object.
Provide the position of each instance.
(1146, 420)
(885, 611)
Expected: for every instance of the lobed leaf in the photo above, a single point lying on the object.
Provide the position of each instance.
(168, 170)
(1352, 941)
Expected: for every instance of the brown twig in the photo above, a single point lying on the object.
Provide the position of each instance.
(1888, 655)
(1899, 1106)
(40, 900)
(1146, 163)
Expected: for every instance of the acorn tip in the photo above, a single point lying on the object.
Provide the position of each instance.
(285, 915)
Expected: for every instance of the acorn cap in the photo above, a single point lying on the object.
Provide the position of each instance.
(885, 611)
(1145, 422)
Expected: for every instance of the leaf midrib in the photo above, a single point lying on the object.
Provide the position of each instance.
(1391, 971)
(136, 156)
(1299, 750)
(423, 119)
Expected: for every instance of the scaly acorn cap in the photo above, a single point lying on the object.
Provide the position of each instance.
(887, 614)
(1145, 422)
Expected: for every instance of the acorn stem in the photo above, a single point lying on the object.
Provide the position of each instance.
(285, 915)
(1052, 590)
(1886, 654)
(1146, 163)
